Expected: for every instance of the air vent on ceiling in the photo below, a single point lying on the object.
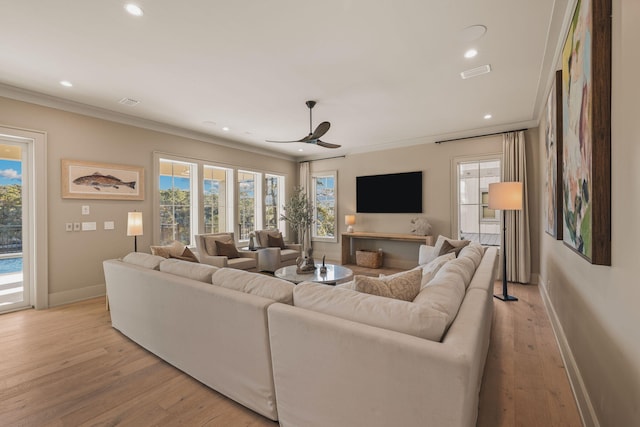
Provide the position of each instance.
(474, 72)
(129, 102)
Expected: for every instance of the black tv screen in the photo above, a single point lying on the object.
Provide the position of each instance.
(390, 193)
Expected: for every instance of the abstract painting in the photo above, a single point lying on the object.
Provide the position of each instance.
(553, 156)
(586, 126)
(90, 180)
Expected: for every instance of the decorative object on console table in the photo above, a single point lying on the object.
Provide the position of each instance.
(506, 196)
(421, 226)
(134, 227)
(349, 220)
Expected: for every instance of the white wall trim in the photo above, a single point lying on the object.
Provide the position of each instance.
(74, 295)
(585, 407)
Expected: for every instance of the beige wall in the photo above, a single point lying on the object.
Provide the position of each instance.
(595, 307)
(435, 161)
(75, 258)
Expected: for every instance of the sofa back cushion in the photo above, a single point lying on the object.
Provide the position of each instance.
(199, 272)
(144, 260)
(401, 316)
(211, 239)
(254, 283)
(444, 293)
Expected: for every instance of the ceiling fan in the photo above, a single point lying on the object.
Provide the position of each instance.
(314, 137)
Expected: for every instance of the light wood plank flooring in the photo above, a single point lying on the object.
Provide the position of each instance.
(67, 367)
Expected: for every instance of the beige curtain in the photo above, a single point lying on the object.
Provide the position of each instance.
(304, 181)
(518, 239)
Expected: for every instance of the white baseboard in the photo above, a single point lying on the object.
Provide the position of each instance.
(585, 408)
(66, 297)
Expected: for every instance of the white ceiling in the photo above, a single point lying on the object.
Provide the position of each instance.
(384, 73)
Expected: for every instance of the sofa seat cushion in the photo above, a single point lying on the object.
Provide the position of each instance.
(242, 263)
(401, 316)
(199, 272)
(144, 260)
(288, 254)
(254, 283)
(403, 286)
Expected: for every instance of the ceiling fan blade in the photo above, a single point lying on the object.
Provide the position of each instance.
(282, 142)
(327, 144)
(320, 130)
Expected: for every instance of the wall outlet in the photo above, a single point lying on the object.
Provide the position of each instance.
(76, 226)
(68, 226)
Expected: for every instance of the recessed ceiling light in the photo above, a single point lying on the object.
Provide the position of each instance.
(470, 53)
(487, 116)
(134, 9)
(66, 83)
(226, 129)
(300, 149)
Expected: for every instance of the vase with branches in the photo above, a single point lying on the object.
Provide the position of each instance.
(298, 213)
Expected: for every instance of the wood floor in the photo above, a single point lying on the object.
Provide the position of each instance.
(67, 367)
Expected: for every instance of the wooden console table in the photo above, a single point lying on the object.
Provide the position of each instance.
(347, 239)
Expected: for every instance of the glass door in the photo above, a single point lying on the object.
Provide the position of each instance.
(13, 216)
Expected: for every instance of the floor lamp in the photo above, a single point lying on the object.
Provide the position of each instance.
(505, 196)
(134, 227)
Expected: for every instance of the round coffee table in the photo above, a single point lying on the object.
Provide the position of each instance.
(334, 274)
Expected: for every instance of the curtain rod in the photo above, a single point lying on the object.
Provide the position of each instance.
(326, 158)
(479, 136)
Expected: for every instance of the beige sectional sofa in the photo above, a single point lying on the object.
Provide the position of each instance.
(316, 355)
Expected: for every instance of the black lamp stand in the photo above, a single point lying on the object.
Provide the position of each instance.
(505, 294)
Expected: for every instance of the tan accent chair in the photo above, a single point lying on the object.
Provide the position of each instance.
(272, 258)
(208, 253)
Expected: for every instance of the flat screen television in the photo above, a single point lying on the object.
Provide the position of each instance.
(390, 193)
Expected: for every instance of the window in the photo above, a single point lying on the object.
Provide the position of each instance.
(195, 197)
(324, 197)
(177, 188)
(476, 221)
(274, 199)
(217, 200)
(248, 192)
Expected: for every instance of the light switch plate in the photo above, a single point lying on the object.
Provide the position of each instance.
(88, 226)
(85, 210)
(109, 225)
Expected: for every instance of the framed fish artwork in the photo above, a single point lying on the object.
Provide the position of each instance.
(90, 180)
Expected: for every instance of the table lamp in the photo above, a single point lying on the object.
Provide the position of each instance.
(134, 227)
(350, 220)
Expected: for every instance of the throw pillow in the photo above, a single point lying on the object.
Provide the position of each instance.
(186, 255)
(448, 248)
(403, 287)
(275, 241)
(174, 249)
(227, 249)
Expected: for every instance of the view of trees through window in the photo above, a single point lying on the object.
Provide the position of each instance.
(10, 206)
(273, 200)
(246, 203)
(175, 201)
(324, 200)
(215, 199)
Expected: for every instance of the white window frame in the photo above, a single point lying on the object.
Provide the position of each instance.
(258, 202)
(455, 185)
(314, 176)
(229, 202)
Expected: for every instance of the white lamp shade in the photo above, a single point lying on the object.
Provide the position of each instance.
(134, 224)
(349, 219)
(505, 196)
